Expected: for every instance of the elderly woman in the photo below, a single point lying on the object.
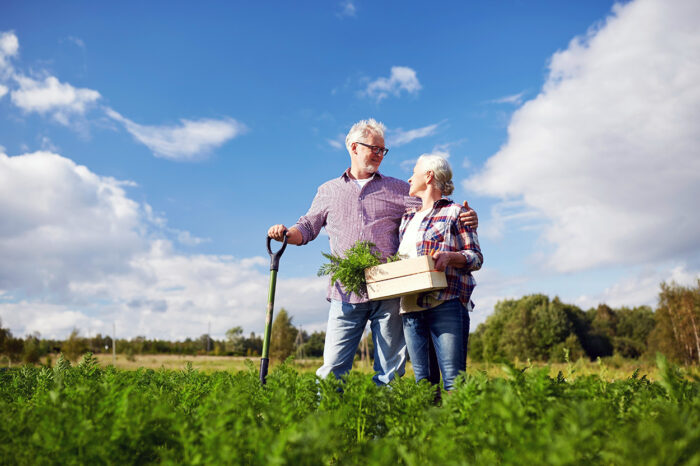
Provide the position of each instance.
(440, 316)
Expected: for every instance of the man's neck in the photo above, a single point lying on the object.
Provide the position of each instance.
(360, 174)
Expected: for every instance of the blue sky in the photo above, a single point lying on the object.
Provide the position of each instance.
(147, 147)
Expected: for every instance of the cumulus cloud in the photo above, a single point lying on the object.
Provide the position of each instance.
(399, 137)
(3, 90)
(76, 251)
(62, 222)
(190, 140)
(51, 96)
(608, 152)
(171, 295)
(402, 78)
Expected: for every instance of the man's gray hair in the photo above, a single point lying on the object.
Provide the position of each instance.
(442, 173)
(362, 128)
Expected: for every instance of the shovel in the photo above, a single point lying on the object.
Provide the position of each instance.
(274, 266)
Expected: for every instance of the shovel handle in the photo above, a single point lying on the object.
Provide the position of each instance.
(275, 256)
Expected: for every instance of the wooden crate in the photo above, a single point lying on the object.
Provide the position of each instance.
(404, 277)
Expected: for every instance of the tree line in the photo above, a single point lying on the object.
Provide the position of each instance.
(533, 327)
(285, 340)
(537, 328)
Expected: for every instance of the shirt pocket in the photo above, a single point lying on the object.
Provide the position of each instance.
(437, 232)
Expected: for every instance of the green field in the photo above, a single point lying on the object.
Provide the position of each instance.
(87, 414)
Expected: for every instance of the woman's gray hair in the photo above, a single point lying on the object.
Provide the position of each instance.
(442, 173)
(362, 128)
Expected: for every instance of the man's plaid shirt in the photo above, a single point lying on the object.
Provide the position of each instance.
(441, 230)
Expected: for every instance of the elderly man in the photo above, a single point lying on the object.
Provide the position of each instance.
(362, 204)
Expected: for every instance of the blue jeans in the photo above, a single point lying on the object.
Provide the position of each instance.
(447, 326)
(346, 323)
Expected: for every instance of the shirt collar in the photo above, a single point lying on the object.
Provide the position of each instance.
(346, 175)
(439, 203)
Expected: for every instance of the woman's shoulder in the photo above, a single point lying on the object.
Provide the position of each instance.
(449, 207)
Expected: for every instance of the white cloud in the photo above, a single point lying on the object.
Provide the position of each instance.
(62, 222)
(641, 288)
(347, 9)
(338, 142)
(173, 296)
(399, 137)
(441, 150)
(44, 96)
(609, 151)
(402, 78)
(47, 145)
(191, 140)
(76, 251)
(9, 46)
(61, 100)
(515, 99)
(77, 41)
(186, 238)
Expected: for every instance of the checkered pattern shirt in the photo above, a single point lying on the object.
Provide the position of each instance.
(441, 230)
(349, 214)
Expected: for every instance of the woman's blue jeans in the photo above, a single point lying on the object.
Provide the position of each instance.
(447, 326)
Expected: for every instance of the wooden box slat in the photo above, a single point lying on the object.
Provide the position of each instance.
(404, 277)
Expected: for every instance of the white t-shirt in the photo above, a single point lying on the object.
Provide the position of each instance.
(362, 183)
(407, 247)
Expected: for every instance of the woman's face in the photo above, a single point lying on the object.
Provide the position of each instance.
(418, 181)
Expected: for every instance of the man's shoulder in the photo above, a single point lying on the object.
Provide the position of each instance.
(394, 182)
(449, 207)
(333, 183)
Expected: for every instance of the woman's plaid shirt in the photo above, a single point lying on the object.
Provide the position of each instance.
(441, 230)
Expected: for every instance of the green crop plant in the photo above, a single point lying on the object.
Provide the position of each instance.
(85, 414)
(349, 269)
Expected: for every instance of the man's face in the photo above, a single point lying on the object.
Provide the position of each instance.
(363, 157)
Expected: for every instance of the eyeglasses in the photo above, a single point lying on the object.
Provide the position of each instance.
(376, 150)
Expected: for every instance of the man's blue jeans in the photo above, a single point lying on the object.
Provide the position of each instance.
(346, 323)
(447, 325)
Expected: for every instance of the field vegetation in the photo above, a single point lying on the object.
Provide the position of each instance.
(86, 414)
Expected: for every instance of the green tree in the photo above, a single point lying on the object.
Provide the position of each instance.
(632, 331)
(677, 330)
(314, 345)
(4, 335)
(32, 349)
(235, 341)
(74, 346)
(283, 336)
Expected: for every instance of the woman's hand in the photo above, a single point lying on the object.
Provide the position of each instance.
(445, 259)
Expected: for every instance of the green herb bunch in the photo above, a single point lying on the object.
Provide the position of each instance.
(350, 270)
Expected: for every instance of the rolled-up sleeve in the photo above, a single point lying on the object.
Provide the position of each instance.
(310, 224)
